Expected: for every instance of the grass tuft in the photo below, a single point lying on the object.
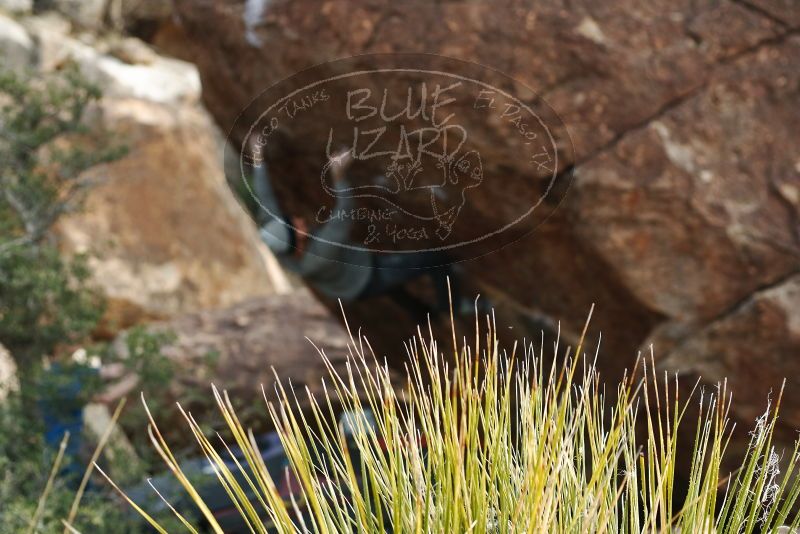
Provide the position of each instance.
(484, 440)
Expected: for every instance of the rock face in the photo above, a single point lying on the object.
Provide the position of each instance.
(754, 345)
(139, 16)
(682, 222)
(166, 235)
(16, 6)
(249, 340)
(121, 67)
(16, 46)
(241, 349)
(84, 13)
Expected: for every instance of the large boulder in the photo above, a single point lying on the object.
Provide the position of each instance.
(684, 207)
(165, 233)
(163, 230)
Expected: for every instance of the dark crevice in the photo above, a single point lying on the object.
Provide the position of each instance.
(792, 211)
(737, 306)
(731, 310)
(770, 41)
(644, 123)
(749, 6)
(696, 38)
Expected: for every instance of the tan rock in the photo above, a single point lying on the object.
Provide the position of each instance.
(87, 14)
(133, 51)
(122, 67)
(16, 6)
(166, 235)
(16, 46)
(50, 32)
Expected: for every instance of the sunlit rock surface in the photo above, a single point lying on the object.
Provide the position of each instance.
(166, 235)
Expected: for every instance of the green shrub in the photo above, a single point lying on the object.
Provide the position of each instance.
(25, 462)
(25, 457)
(44, 299)
(47, 307)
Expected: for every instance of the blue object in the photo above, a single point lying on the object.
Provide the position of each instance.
(61, 407)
